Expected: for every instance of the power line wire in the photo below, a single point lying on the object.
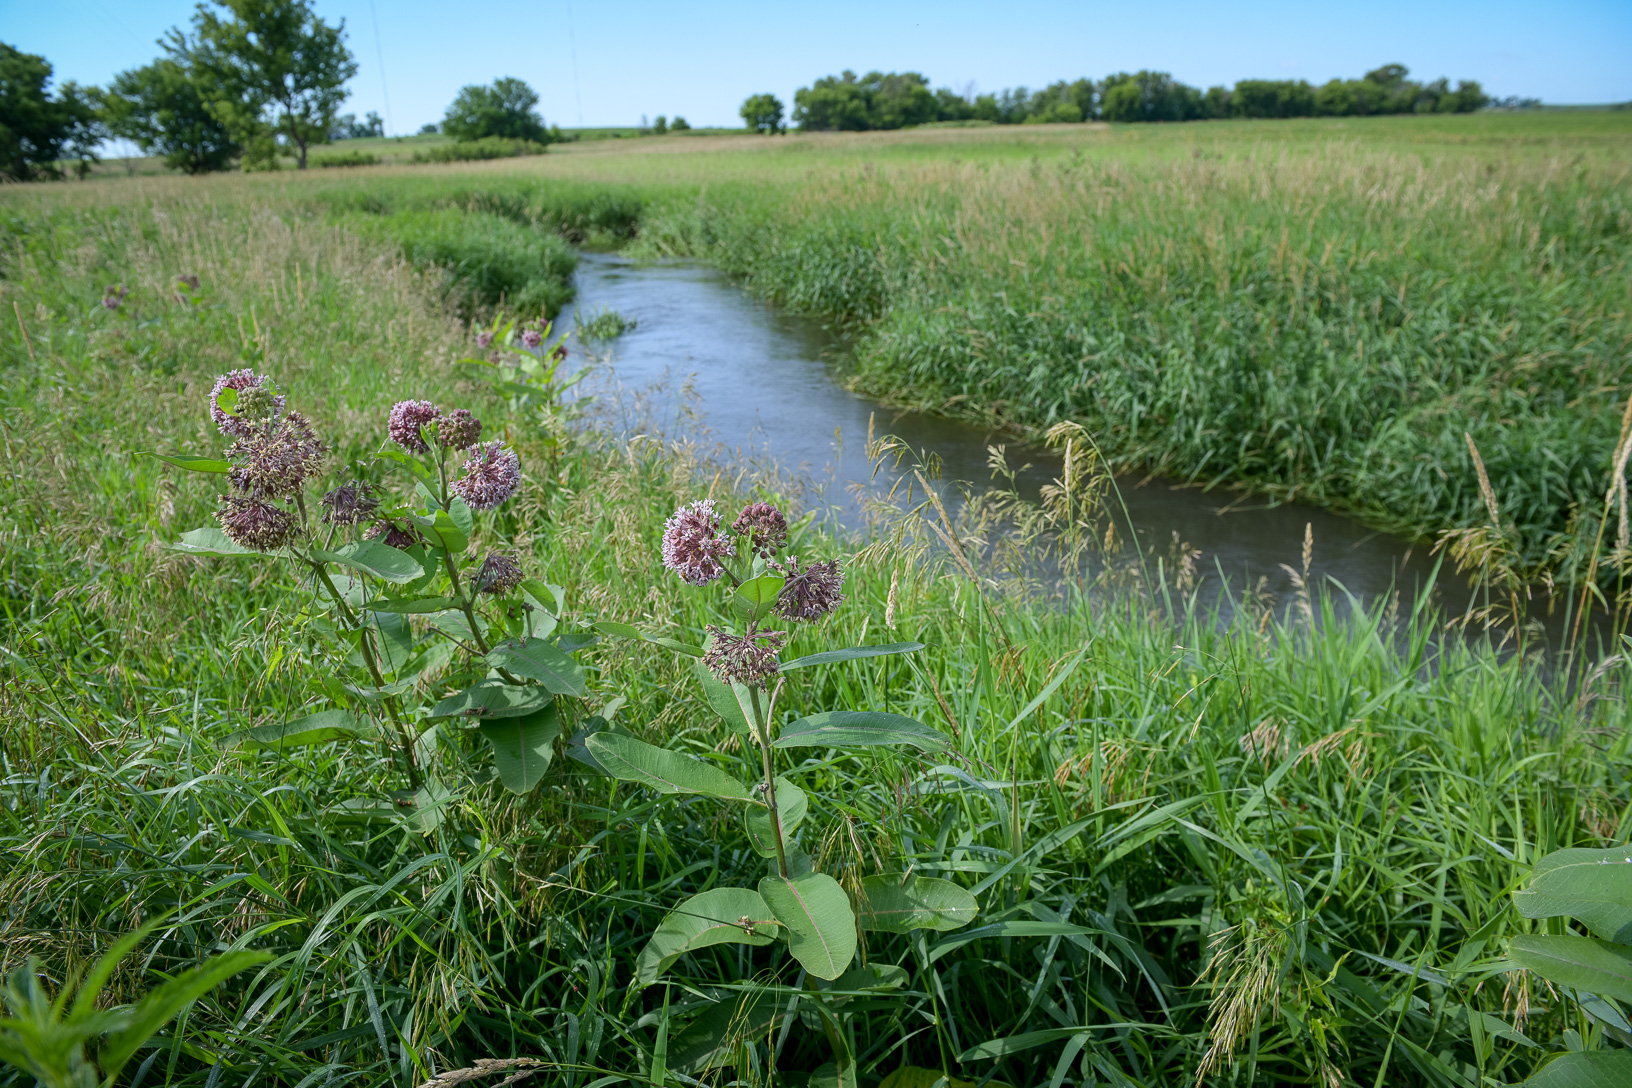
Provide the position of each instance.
(572, 50)
(380, 54)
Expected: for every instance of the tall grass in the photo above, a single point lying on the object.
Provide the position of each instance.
(1280, 849)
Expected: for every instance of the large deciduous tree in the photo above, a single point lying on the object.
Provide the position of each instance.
(504, 110)
(762, 113)
(272, 67)
(38, 128)
(162, 109)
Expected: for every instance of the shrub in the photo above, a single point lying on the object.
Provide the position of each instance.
(347, 158)
(491, 147)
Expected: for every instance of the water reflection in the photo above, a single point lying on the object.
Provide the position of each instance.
(764, 385)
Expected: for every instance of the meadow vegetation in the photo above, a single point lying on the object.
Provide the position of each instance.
(1276, 851)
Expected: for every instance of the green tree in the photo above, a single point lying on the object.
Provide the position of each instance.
(505, 110)
(37, 128)
(762, 113)
(679, 124)
(660, 125)
(162, 110)
(272, 67)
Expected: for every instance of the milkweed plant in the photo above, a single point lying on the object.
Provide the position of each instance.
(395, 581)
(763, 593)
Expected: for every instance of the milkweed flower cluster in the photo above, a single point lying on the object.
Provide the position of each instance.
(114, 296)
(351, 504)
(499, 574)
(272, 456)
(414, 424)
(698, 548)
(693, 544)
(484, 338)
(532, 339)
(492, 474)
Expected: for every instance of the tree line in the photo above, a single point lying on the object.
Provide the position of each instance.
(250, 82)
(890, 100)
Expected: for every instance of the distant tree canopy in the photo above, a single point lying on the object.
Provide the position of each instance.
(38, 128)
(347, 127)
(762, 113)
(505, 110)
(162, 109)
(882, 100)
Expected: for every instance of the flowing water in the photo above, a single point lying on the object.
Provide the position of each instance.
(708, 360)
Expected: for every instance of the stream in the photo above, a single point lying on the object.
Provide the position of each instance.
(707, 360)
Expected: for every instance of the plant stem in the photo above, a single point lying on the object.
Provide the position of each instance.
(763, 731)
(405, 737)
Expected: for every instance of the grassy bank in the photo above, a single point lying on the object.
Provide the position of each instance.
(1334, 827)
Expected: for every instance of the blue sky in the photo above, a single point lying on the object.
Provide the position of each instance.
(608, 63)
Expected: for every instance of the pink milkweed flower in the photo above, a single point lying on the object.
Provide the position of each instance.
(811, 593)
(484, 338)
(499, 574)
(407, 417)
(252, 522)
(237, 425)
(693, 544)
(764, 527)
(492, 474)
(531, 339)
(458, 429)
(278, 458)
(741, 659)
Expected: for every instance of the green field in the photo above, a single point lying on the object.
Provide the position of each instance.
(1284, 846)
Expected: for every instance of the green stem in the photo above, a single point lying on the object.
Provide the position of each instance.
(763, 733)
(835, 1038)
(405, 736)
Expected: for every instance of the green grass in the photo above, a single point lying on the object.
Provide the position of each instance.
(1324, 802)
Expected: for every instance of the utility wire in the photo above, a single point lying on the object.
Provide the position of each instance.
(380, 54)
(572, 50)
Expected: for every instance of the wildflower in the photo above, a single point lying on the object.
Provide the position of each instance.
(484, 338)
(350, 504)
(764, 527)
(276, 459)
(407, 417)
(531, 339)
(252, 522)
(492, 474)
(184, 287)
(693, 545)
(739, 659)
(560, 352)
(458, 430)
(234, 425)
(114, 296)
(499, 574)
(395, 535)
(811, 593)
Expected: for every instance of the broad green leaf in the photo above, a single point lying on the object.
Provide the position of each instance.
(1582, 963)
(757, 596)
(873, 976)
(632, 760)
(713, 917)
(394, 640)
(427, 806)
(891, 905)
(158, 1007)
(619, 630)
(319, 728)
(1592, 886)
(791, 806)
(1587, 1069)
(539, 660)
(859, 729)
(227, 400)
(523, 747)
(492, 699)
(193, 464)
(442, 530)
(678, 647)
(821, 927)
(371, 557)
(721, 698)
(853, 653)
(210, 541)
(460, 514)
(455, 623)
(416, 606)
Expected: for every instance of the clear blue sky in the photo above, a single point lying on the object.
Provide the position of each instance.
(701, 59)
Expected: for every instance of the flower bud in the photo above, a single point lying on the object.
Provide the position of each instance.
(764, 527)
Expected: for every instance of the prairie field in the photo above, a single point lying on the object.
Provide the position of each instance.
(1279, 850)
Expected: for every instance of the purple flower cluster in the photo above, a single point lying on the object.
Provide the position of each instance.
(114, 296)
(408, 418)
(252, 522)
(693, 544)
(531, 339)
(811, 593)
(742, 659)
(237, 425)
(393, 534)
(277, 457)
(499, 574)
(455, 430)
(492, 474)
(763, 527)
(351, 504)
(484, 338)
